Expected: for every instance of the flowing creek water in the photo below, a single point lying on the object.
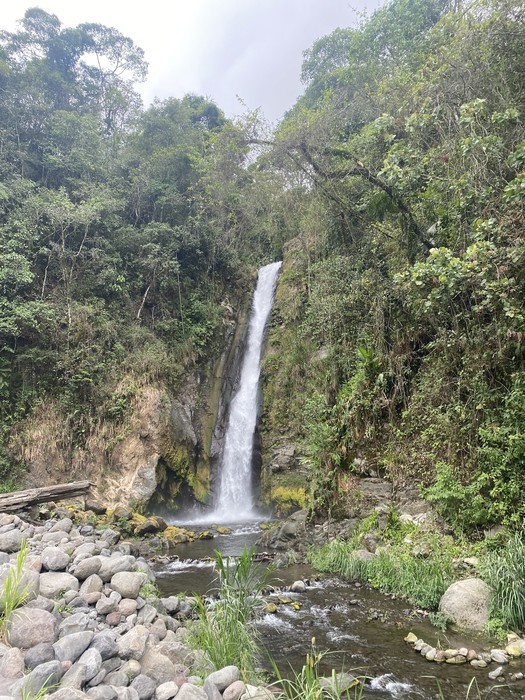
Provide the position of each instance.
(362, 629)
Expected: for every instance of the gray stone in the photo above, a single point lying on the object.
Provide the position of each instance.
(132, 644)
(41, 603)
(187, 691)
(85, 549)
(28, 628)
(157, 666)
(111, 537)
(112, 664)
(117, 679)
(93, 584)
(55, 559)
(92, 660)
(144, 686)
(96, 680)
(106, 644)
(467, 604)
(158, 628)
(499, 656)
(113, 565)
(177, 652)
(78, 622)
(234, 691)
(127, 694)
(224, 677)
(39, 654)
(63, 525)
(29, 582)
(56, 536)
(67, 694)
(166, 691)
(44, 676)
(102, 692)
(75, 677)
(171, 604)
(54, 583)
(70, 647)
(87, 567)
(212, 692)
(146, 615)
(496, 673)
(253, 693)
(12, 663)
(11, 541)
(298, 587)
(363, 555)
(109, 604)
(128, 583)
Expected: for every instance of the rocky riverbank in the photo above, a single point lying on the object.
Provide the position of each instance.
(90, 625)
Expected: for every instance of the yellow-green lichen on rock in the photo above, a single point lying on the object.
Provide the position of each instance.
(287, 499)
(178, 535)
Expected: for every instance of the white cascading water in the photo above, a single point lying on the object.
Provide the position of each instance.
(235, 495)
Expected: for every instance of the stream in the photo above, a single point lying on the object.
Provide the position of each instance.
(361, 629)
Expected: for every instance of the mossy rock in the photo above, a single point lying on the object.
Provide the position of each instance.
(178, 535)
(287, 499)
(224, 530)
(205, 535)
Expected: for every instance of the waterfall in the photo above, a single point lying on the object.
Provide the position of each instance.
(235, 495)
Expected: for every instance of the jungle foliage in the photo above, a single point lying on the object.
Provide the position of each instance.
(122, 244)
(399, 343)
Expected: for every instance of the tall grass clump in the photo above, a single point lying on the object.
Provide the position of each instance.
(504, 572)
(14, 593)
(309, 684)
(223, 629)
(421, 579)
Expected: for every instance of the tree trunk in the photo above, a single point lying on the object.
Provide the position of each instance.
(21, 499)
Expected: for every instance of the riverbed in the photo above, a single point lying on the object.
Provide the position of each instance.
(361, 630)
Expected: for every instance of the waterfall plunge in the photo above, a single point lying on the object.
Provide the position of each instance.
(235, 495)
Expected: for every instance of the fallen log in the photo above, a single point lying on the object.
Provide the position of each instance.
(17, 500)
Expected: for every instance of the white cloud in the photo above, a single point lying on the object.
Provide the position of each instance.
(217, 48)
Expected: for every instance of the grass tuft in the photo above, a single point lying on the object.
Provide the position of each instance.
(224, 630)
(14, 593)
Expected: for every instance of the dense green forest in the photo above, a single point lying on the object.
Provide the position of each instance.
(394, 191)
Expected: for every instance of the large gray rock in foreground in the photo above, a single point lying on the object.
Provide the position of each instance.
(467, 604)
(54, 583)
(28, 627)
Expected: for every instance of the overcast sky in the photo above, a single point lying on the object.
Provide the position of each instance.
(224, 49)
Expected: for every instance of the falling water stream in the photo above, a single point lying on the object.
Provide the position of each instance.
(235, 496)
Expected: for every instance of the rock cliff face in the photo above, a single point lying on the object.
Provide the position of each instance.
(163, 452)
